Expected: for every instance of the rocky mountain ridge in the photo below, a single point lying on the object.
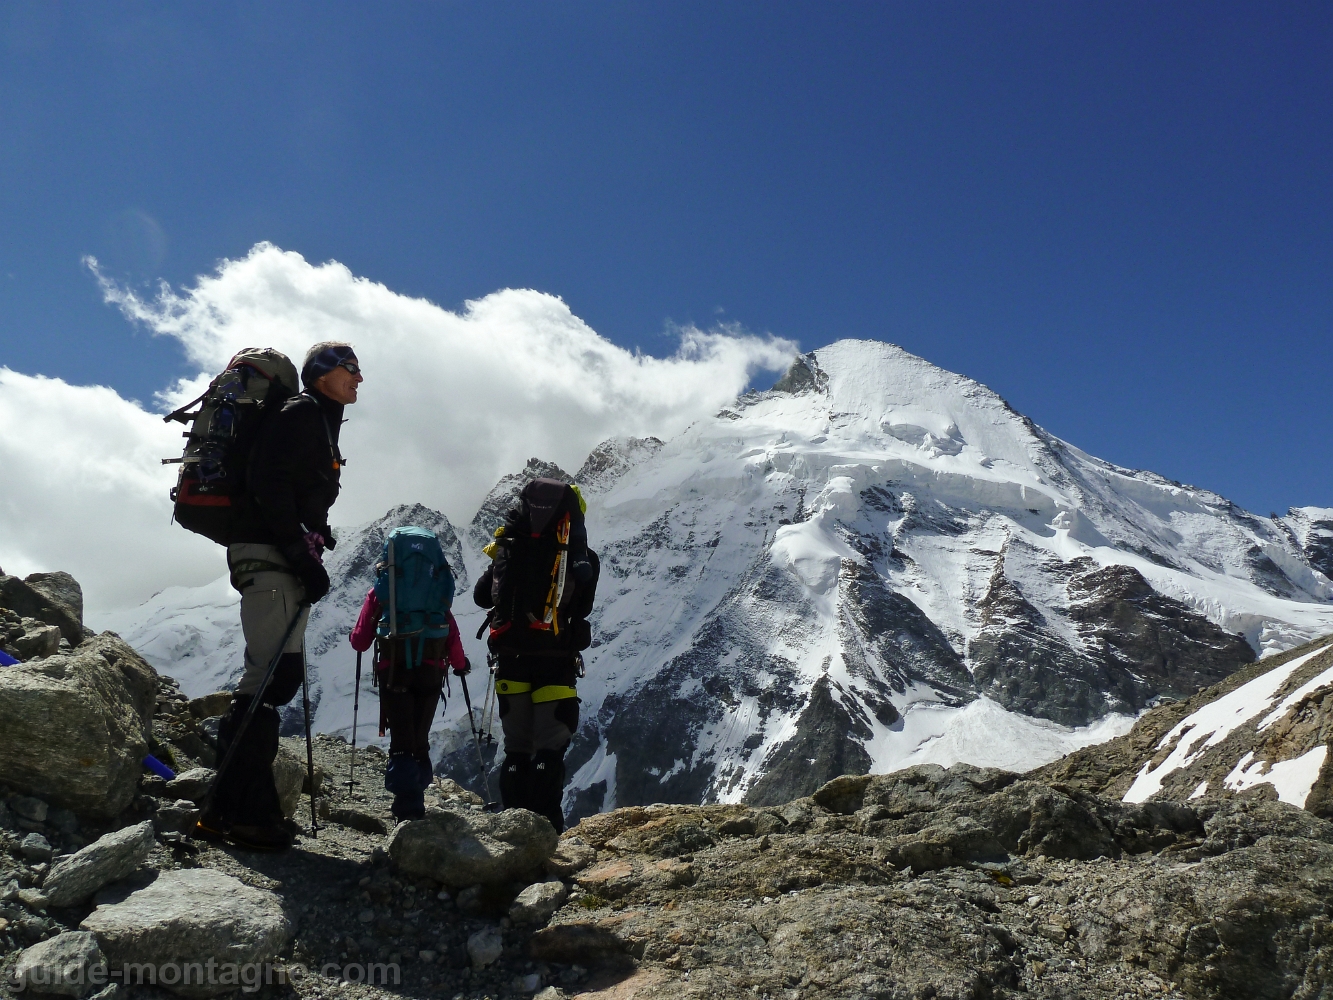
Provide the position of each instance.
(1267, 727)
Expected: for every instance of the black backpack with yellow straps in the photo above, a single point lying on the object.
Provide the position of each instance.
(543, 575)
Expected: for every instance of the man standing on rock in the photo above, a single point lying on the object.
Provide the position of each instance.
(276, 562)
(540, 588)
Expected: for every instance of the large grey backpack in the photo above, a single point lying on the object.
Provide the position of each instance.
(211, 486)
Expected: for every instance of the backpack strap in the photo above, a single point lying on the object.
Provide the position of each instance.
(180, 414)
(334, 451)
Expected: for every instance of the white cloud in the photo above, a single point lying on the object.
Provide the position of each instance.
(85, 491)
(451, 402)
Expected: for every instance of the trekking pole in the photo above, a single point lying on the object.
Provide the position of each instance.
(254, 702)
(309, 746)
(492, 700)
(356, 706)
(476, 739)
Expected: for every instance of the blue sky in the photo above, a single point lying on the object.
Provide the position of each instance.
(1119, 216)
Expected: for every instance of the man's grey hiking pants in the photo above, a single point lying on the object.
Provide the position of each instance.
(270, 597)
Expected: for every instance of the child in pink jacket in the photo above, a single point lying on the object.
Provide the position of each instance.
(408, 699)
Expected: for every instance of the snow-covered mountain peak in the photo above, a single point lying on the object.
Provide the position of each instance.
(884, 396)
(875, 563)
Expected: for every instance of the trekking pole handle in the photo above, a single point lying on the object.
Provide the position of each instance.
(467, 700)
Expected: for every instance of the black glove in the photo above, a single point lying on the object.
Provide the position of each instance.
(467, 668)
(329, 541)
(308, 569)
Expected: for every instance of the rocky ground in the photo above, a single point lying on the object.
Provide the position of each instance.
(925, 883)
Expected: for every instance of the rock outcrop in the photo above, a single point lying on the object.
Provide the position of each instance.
(957, 882)
(50, 598)
(76, 728)
(1267, 726)
(939, 882)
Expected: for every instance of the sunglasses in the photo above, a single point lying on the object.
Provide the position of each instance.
(351, 366)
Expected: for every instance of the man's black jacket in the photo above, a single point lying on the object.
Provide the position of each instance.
(292, 478)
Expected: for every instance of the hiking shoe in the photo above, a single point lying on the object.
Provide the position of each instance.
(259, 838)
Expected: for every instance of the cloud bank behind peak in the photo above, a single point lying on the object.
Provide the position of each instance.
(452, 401)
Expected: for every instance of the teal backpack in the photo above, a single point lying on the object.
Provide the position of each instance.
(415, 588)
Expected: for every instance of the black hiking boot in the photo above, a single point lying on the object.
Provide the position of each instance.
(259, 838)
(210, 827)
(409, 805)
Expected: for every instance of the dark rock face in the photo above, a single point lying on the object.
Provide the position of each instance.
(824, 746)
(1022, 662)
(1156, 645)
(1269, 575)
(1134, 645)
(1313, 533)
(893, 641)
(613, 458)
(803, 375)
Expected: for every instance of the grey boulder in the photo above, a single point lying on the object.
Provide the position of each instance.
(192, 916)
(179, 816)
(35, 847)
(60, 589)
(485, 946)
(75, 728)
(538, 902)
(35, 643)
(192, 784)
(210, 706)
(108, 859)
(29, 808)
(33, 598)
(462, 846)
(66, 965)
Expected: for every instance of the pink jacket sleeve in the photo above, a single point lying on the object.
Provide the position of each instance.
(456, 659)
(364, 633)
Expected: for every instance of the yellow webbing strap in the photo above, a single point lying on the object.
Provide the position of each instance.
(512, 687)
(553, 692)
(551, 613)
